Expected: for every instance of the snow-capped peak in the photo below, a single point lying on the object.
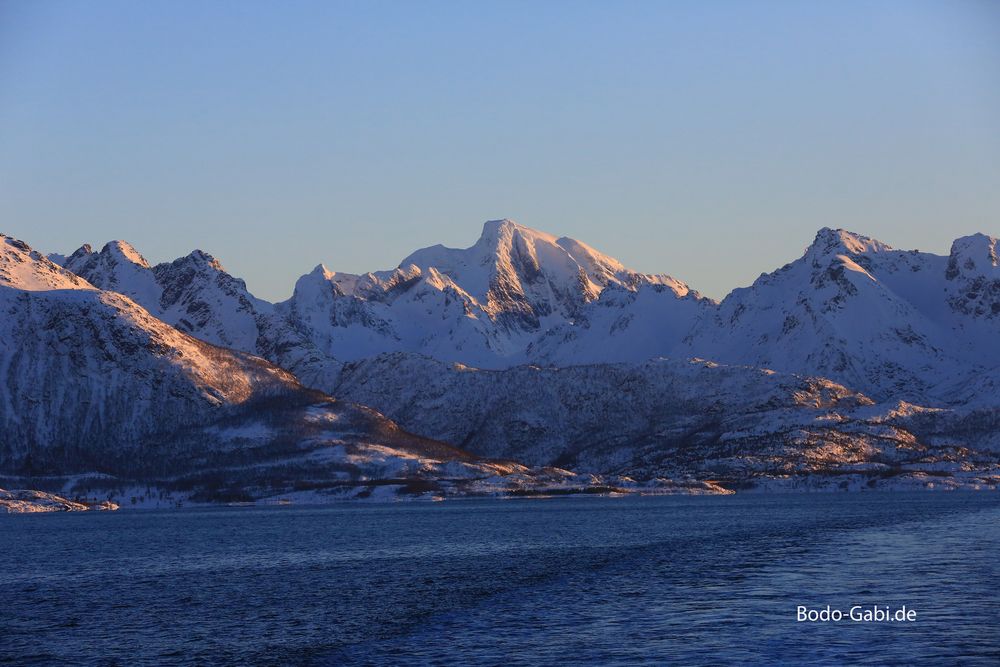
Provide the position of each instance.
(23, 268)
(126, 251)
(323, 279)
(202, 258)
(842, 242)
(112, 254)
(118, 267)
(513, 270)
(973, 276)
(315, 282)
(321, 271)
(891, 322)
(82, 251)
(499, 236)
(974, 255)
(494, 229)
(490, 304)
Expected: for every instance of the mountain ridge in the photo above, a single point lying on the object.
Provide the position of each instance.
(851, 308)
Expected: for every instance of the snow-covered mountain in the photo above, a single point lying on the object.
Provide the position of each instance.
(196, 295)
(88, 373)
(193, 293)
(624, 325)
(94, 386)
(892, 323)
(516, 295)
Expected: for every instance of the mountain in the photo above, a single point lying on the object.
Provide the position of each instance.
(735, 425)
(891, 323)
(69, 348)
(99, 394)
(855, 363)
(519, 276)
(489, 305)
(894, 324)
(196, 295)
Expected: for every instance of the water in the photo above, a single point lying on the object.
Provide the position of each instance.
(708, 580)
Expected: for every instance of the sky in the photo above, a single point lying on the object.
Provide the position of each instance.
(707, 140)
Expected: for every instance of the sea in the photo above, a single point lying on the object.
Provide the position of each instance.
(668, 580)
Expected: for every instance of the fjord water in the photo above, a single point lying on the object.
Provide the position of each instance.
(663, 580)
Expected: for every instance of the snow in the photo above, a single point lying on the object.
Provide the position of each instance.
(25, 269)
(93, 381)
(836, 241)
(490, 305)
(192, 293)
(976, 254)
(859, 312)
(87, 373)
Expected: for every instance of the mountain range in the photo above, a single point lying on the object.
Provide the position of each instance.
(101, 397)
(855, 365)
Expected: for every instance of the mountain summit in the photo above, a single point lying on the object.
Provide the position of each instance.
(892, 323)
(485, 305)
(842, 242)
(520, 275)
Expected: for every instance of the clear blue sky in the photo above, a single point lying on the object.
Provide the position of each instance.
(708, 140)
